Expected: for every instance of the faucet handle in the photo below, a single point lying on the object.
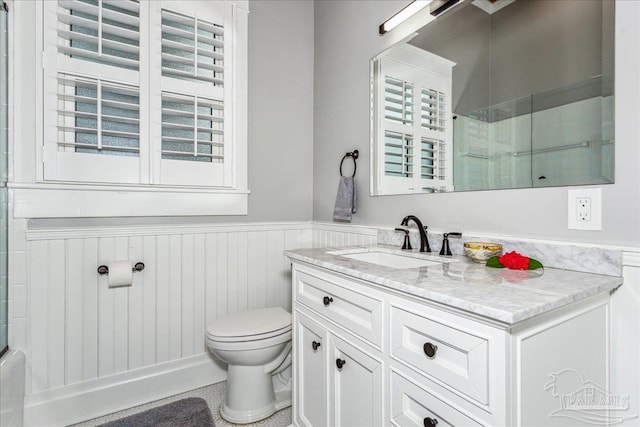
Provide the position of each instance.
(407, 243)
(445, 249)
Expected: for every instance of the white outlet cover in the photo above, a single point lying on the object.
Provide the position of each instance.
(595, 194)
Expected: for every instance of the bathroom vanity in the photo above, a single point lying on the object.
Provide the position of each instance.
(442, 340)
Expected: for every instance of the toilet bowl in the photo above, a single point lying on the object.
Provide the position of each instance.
(256, 345)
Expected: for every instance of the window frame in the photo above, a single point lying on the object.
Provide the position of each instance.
(38, 197)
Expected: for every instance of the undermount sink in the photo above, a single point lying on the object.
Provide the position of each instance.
(389, 259)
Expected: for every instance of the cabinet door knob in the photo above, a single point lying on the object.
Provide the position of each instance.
(430, 422)
(315, 345)
(340, 363)
(327, 301)
(430, 349)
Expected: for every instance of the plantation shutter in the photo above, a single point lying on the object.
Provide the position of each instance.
(96, 116)
(412, 125)
(103, 31)
(192, 48)
(436, 144)
(142, 92)
(92, 91)
(398, 146)
(196, 97)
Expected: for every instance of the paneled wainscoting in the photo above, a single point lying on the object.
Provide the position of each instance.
(336, 235)
(93, 350)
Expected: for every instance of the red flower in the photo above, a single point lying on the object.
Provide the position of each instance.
(514, 261)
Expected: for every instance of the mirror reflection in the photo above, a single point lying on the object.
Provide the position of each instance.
(497, 94)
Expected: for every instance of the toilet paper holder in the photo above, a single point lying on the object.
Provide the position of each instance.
(103, 269)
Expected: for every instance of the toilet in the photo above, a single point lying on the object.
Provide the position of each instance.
(256, 345)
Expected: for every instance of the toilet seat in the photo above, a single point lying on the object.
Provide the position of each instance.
(248, 338)
(251, 325)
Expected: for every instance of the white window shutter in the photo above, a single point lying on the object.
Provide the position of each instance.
(145, 92)
(92, 99)
(192, 131)
(192, 48)
(95, 115)
(398, 155)
(436, 168)
(103, 31)
(412, 123)
(195, 64)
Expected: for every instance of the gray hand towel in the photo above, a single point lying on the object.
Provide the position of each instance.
(345, 199)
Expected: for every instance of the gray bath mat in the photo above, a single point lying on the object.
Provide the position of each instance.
(191, 412)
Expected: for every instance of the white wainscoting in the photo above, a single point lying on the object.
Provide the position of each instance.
(93, 350)
(82, 331)
(335, 235)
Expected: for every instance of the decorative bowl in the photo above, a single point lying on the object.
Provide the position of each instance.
(481, 251)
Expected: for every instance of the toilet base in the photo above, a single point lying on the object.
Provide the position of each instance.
(247, 388)
(282, 400)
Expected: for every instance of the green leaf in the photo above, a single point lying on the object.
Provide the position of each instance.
(494, 262)
(534, 264)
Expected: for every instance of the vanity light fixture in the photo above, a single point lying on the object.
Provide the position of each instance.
(440, 6)
(407, 12)
(436, 7)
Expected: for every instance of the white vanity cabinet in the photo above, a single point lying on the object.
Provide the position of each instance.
(339, 376)
(407, 361)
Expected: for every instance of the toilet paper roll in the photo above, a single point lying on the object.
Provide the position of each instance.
(120, 273)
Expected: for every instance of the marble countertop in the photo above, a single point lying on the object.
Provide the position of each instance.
(508, 296)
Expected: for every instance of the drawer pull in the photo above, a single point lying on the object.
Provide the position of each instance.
(315, 345)
(430, 422)
(430, 350)
(327, 301)
(340, 363)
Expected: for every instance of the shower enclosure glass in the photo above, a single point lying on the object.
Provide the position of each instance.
(4, 223)
(559, 137)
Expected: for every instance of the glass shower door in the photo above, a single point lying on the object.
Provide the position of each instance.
(4, 220)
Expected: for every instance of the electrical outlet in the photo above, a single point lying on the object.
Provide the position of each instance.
(585, 209)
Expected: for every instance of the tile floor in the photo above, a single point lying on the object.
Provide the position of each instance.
(213, 394)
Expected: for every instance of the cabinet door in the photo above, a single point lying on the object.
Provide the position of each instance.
(310, 385)
(355, 386)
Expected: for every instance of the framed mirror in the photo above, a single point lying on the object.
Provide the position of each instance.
(496, 94)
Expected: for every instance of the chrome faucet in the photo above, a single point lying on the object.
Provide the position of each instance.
(422, 229)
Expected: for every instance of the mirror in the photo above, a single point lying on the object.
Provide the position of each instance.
(497, 94)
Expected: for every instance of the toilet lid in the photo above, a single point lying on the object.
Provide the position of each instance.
(252, 323)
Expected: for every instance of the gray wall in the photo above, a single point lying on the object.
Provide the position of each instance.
(346, 38)
(280, 130)
(280, 110)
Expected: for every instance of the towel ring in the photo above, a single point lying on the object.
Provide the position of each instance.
(354, 155)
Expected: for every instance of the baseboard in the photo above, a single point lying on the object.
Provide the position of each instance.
(94, 398)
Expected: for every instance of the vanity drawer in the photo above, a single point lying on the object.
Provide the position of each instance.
(457, 359)
(329, 296)
(411, 405)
